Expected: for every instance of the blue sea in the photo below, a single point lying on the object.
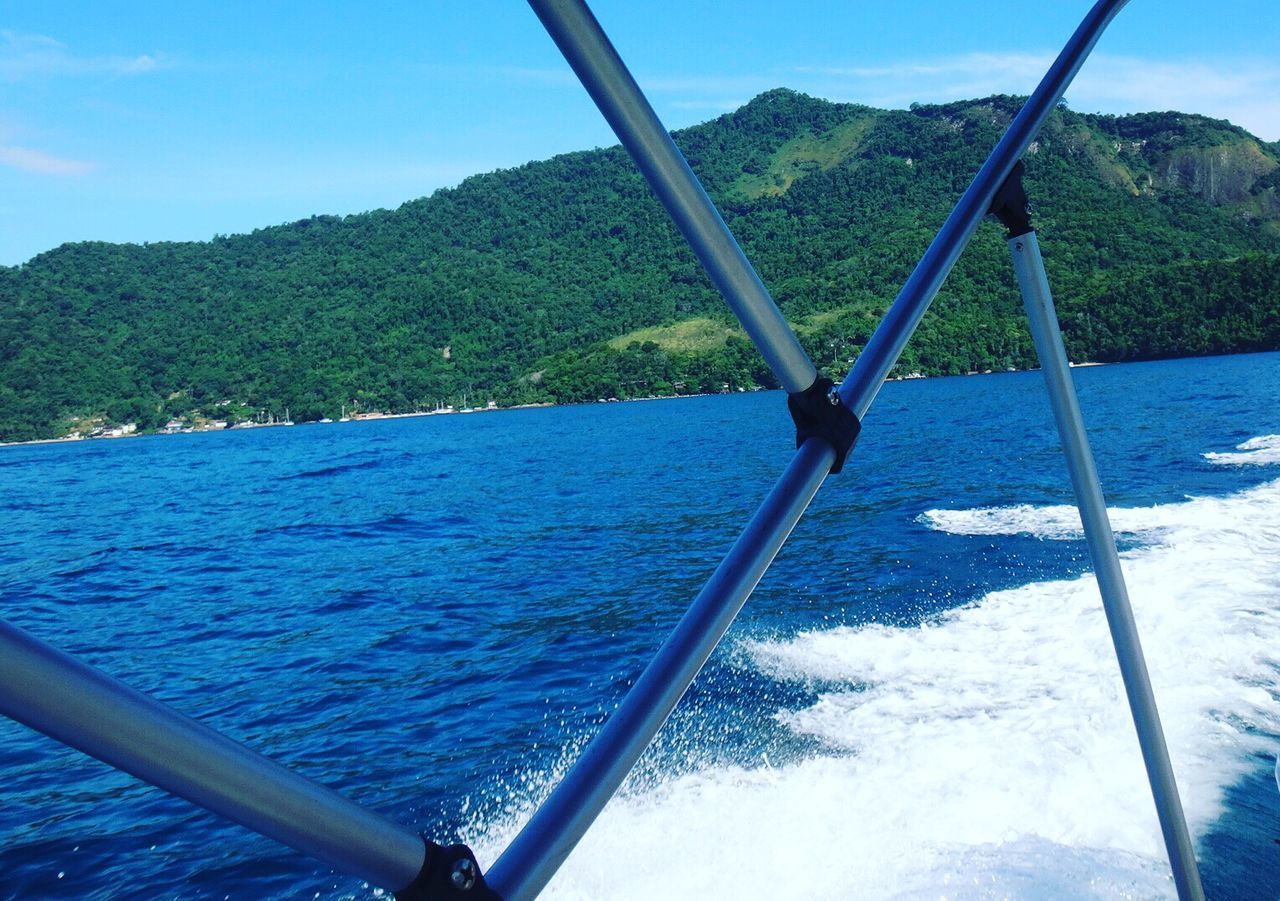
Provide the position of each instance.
(432, 615)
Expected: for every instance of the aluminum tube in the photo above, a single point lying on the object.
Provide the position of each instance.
(602, 72)
(533, 857)
(1106, 561)
(54, 693)
(885, 346)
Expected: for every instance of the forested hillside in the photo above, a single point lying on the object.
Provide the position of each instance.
(563, 280)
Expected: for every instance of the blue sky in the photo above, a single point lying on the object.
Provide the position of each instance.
(127, 121)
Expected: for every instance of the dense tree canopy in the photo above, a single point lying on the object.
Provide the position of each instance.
(563, 280)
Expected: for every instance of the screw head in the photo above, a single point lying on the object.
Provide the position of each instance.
(463, 875)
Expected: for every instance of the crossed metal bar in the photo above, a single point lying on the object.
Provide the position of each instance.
(66, 699)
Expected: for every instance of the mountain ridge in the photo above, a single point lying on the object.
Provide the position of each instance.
(523, 284)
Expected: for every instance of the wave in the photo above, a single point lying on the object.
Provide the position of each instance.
(1261, 451)
(1061, 522)
(392, 525)
(988, 752)
(377, 462)
(1058, 523)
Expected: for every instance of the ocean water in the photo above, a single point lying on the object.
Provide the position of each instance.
(432, 615)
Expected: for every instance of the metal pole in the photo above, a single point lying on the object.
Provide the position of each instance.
(533, 857)
(1029, 266)
(885, 346)
(540, 848)
(78, 705)
(602, 72)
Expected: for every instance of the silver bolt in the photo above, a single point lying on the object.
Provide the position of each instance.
(463, 875)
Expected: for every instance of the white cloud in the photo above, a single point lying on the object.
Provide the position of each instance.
(25, 56)
(555, 76)
(716, 106)
(139, 64)
(992, 66)
(35, 161)
(709, 84)
(1245, 91)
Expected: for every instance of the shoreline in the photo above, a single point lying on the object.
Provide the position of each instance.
(370, 417)
(364, 417)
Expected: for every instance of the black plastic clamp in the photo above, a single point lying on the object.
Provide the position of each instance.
(1011, 206)
(450, 872)
(818, 413)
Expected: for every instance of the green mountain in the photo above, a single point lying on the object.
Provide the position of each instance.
(562, 280)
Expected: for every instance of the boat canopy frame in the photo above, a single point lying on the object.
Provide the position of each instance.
(54, 693)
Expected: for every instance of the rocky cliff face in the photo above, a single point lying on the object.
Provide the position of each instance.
(1170, 152)
(1225, 174)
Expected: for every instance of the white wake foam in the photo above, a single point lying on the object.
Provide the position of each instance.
(1259, 451)
(988, 753)
(1062, 522)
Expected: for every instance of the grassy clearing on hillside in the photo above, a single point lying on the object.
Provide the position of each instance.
(804, 154)
(690, 336)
